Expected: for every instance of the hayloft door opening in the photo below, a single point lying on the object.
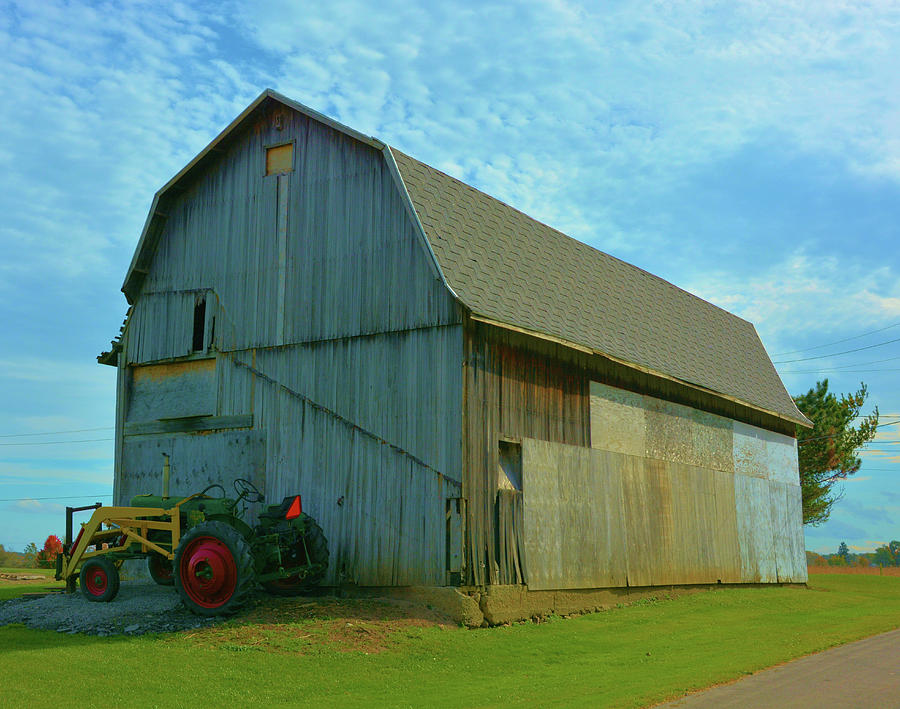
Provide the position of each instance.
(198, 341)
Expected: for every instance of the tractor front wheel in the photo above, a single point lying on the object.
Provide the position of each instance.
(99, 579)
(160, 569)
(213, 569)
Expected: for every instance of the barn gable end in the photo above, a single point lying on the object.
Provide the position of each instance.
(288, 321)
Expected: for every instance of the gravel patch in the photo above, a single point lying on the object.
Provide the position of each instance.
(137, 609)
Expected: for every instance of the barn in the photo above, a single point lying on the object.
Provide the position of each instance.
(462, 395)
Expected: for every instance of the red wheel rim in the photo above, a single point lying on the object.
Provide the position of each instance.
(96, 581)
(208, 572)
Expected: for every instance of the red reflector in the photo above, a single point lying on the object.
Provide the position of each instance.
(296, 509)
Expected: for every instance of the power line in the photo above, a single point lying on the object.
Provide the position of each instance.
(835, 371)
(40, 499)
(54, 433)
(864, 364)
(835, 354)
(838, 435)
(836, 342)
(56, 443)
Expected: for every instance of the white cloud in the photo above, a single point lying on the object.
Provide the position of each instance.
(39, 506)
(787, 300)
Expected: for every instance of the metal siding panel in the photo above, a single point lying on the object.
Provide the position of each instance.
(618, 420)
(794, 505)
(726, 538)
(750, 454)
(543, 521)
(782, 457)
(755, 530)
(787, 516)
(607, 488)
(637, 500)
(669, 434)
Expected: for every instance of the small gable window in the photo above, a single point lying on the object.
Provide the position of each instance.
(280, 159)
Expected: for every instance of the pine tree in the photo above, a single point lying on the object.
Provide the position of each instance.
(827, 452)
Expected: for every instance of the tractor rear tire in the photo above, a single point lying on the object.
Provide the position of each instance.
(317, 548)
(99, 579)
(213, 569)
(160, 569)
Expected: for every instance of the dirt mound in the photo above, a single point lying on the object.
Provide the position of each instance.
(299, 625)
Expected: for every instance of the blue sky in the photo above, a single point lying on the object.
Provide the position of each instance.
(748, 152)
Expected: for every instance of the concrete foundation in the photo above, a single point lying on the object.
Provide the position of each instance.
(497, 605)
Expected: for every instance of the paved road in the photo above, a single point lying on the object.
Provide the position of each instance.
(861, 675)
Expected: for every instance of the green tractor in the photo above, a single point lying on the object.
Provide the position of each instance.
(201, 545)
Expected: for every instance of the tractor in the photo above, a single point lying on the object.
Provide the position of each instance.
(200, 544)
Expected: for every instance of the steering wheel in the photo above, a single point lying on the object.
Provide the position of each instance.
(247, 490)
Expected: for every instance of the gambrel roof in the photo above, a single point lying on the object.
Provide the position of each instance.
(513, 271)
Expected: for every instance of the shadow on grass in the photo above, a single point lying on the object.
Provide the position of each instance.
(19, 638)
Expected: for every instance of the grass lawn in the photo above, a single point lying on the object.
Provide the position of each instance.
(627, 657)
(12, 589)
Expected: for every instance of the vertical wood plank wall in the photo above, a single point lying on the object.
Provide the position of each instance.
(649, 490)
(339, 339)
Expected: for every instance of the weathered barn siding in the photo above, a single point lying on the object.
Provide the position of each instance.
(678, 451)
(374, 455)
(352, 263)
(195, 460)
(333, 338)
(513, 392)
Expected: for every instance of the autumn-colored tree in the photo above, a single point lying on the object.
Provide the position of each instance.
(888, 554)
(813, 559)
(827, 452)
(46, 557)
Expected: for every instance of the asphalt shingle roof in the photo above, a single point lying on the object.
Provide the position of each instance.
(508, 267)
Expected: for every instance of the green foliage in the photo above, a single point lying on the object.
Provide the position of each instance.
(887, 555)
(843, 550)
(827, 452)
(31, 552)
(11, 558)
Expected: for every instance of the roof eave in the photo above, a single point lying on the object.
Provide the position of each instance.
(800, 420)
